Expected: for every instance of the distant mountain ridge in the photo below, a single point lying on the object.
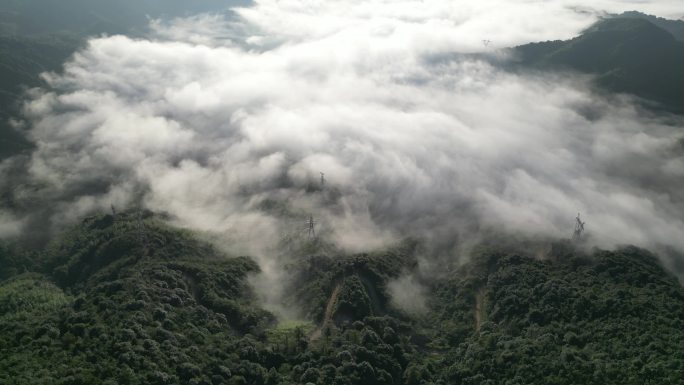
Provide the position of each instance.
(675, 27)
(627, 55)
(93, 17)
(22, 59)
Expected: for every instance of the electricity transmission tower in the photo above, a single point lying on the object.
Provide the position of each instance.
(322, 179)
(311, 227)
(579, 229)
(486, 43)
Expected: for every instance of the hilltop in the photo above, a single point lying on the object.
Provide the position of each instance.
(625, 54)
(674, 27)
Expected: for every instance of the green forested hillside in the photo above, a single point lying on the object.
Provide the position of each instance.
(626, 54)
(111, 308)
(110, 303)
(607, 318)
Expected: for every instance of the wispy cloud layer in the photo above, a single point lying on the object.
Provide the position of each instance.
(210, 117)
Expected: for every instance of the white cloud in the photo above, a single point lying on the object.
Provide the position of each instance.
(209, 117)
(10, 226)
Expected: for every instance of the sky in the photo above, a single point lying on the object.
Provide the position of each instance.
(209, 117)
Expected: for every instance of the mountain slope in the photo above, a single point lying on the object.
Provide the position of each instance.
(607, 318)
(129, 300)
(164, 309)
(629, 55)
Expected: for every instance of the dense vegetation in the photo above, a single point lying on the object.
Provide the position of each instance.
(125, 309)
(608, 318)
(110, 303)
(626, 54)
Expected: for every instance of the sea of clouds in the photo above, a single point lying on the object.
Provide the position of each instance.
(418, 129)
